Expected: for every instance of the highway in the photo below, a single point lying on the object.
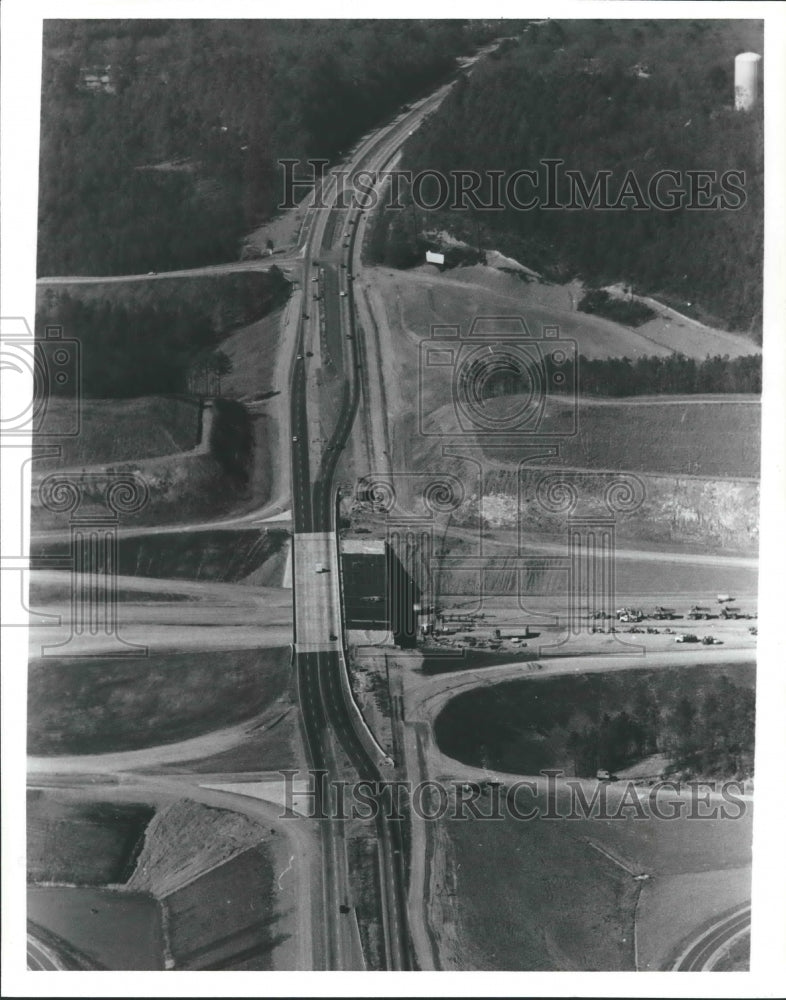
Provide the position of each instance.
(328, 344)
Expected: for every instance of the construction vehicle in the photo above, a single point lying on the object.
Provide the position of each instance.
(725, 598)
(709, 640)
(664, 614)
(697, 613)
(686, 637)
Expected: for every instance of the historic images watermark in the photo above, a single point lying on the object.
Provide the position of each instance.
(551, 186)
(550, 795)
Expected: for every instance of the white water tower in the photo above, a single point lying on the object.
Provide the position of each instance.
(747, 67)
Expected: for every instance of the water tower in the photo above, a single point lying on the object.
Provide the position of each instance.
(747, 67)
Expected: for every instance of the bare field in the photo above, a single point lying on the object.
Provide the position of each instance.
(207, 555)
(98, 706)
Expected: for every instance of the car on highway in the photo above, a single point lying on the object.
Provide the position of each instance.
(300, 357)
(333, 637)
(343, 295)
(294, 437)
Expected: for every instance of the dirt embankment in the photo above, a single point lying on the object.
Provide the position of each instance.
(185, 839)
(212, 871)
(673, 510)
(718, 513)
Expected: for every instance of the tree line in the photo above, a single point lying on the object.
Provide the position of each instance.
(176, 159)
(672, 374)
(711, 733)
(155, 339)
(645, 96)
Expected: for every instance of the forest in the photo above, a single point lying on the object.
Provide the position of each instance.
(151, 340)
(160, 139)
(618, 96)
(711, 734)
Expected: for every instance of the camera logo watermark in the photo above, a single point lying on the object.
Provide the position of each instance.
(496, 380)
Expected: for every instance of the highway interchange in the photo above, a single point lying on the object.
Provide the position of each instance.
(328, 348)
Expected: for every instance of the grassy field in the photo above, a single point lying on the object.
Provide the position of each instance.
(117, 930)
(124, 429)
(518, 909)
(225, 919)
(531, 896)
(225, 556)
(100, 706)
(687, 436)
(271, 748)
(93, 843)
(252, 350)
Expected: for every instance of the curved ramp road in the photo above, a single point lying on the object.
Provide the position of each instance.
(705, 952)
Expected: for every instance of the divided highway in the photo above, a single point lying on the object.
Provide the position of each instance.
(330, 724)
